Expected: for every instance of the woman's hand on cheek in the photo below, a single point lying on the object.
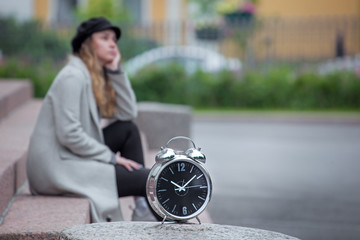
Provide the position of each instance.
(114, 65)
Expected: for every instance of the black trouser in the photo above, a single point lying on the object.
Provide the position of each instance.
(124, 137)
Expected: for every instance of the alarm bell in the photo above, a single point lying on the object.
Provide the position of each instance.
(168, 153)
(165, 154)
(196, 154)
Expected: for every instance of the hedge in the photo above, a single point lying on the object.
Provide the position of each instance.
(278, 88)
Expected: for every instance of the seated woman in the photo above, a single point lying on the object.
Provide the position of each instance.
(69, 153)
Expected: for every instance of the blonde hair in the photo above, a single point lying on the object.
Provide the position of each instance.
(103, 91)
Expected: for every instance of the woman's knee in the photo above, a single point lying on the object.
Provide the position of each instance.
(133, 128)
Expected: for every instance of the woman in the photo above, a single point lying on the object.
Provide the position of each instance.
(69, 153)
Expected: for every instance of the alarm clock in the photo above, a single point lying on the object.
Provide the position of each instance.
(179, 187)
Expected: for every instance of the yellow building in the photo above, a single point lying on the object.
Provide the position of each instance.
(165, 10)
(307, 8)
(41, 10)
(302, 30)
(285, 29)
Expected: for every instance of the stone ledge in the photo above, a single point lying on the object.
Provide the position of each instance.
(160, 122)
(43, 217)
(7, 182)
(13, 93)
(158, 231)
(15, 131)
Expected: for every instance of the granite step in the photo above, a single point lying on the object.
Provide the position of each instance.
(15, 131)
(24, 216)
(13, 93)
(43, 217)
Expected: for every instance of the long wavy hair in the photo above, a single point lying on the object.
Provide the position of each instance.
(103, 91)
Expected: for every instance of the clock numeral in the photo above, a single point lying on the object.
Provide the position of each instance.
(191, 168)
(200, 176)
(184, 210)
(171, 171)
(181, 167)
(194, 206)
(166, 200)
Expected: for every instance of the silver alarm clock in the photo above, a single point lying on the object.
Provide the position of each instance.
(178, 186)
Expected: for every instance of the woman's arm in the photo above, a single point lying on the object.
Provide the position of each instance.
(124, 94)
(125, 97)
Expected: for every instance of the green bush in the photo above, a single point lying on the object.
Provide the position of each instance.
(41, 74)
(270, 90)
(278, 88)
(28, 40)
(131, 46)
(161, 84)
(199, 89)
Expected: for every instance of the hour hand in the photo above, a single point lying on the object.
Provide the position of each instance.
(182, 188)
(187, 187)
(177, 185)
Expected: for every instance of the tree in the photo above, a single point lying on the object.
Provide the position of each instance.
(115, 11)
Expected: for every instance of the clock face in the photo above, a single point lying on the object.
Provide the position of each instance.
(182, 188)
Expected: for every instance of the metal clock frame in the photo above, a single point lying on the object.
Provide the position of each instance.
(166, 157)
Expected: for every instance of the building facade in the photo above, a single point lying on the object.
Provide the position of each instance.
(307, 8)
(283, 29)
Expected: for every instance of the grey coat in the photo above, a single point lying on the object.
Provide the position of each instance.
(67, 155)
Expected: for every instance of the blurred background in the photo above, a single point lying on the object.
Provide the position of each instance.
(285, 72)
(308, 50)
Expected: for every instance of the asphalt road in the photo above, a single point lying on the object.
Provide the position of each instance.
(300, 178)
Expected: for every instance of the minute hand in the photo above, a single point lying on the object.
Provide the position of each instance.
(183, 187)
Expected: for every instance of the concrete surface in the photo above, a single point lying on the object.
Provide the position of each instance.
(298, 175)
(158, 231)
(160, 122)
(13, 93)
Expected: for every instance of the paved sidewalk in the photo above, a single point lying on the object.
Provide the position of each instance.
(292, 173)
(280, 117)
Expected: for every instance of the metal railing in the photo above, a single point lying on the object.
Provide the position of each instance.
(259, 40)
(254, 40)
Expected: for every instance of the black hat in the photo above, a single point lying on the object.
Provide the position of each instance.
(89, 27)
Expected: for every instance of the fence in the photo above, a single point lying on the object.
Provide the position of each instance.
(259, 40)
(252, 40)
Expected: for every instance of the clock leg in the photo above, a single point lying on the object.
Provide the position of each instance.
(163, 220)
(197, 218)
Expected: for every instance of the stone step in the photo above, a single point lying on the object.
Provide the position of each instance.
(13, 93)
(43, 217)
(15, 131)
